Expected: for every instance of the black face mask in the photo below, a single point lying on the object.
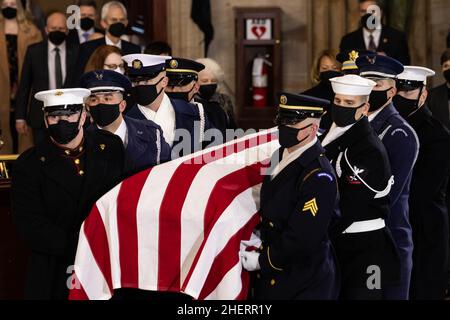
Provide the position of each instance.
(57, 37)
(378, 99)
(180, 95)
(406, 107)
(447, 75)
(145, 95)
(87, 24)
(327, 75)
(105, 114)
(207, 91)
(288, 136)
(117, 29)
(9, 13)
(344, 116)
(64, 131)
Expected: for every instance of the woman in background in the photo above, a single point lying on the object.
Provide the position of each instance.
(106, 57)
(211, 80)
(324, 68)
(17, 32)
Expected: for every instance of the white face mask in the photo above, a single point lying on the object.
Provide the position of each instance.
(119, 71)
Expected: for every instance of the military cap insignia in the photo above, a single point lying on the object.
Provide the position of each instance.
(352, 56)
(99, 76)
(59, 93)
(311, 206)
(137, 64)
(174, 64)
(371, 60)
(283, 99)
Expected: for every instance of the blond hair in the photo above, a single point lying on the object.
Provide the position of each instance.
(315, 70)
(24, 18)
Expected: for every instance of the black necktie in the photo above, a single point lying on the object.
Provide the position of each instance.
(372, 45)
(58, 70)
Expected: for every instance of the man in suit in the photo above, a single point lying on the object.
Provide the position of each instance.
(54, 186)
(299, 201)
(375, 36)
(366, 251)
(183, 124)
(402, 146)
(114, 20)
(428, 207)
(183, 85)
(50, 64)
(439, 100)
(88, 12)
(143, 140)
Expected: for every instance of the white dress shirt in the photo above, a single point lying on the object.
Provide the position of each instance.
(164, 117)
(334, 133)
(374, 115)
(122, 132)
(376, 37)
(51, 64)
(81, 34)
(289, 157)
(110, 43)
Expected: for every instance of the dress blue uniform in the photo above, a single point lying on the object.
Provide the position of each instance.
(428, 209)
(143, 139)
(191, 120)
(402, 146)
(298, 204)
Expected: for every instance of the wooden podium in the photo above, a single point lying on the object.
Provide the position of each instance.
(258, 36)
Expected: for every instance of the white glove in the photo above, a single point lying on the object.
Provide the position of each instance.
(250, 260)
(251, 245)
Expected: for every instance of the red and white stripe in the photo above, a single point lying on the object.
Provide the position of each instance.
(177, 227)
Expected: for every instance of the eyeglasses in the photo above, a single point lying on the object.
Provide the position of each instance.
(115, 66)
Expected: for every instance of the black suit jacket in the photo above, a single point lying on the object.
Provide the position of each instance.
(35, 78)
(438, 104)
(393, 42)
(88, 48)
(74, 38)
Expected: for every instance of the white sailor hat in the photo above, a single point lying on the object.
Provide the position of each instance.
(63, 101)
(416, 74)
(145, 66)
(352, 85)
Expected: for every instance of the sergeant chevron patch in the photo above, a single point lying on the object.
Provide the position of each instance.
(311, 206)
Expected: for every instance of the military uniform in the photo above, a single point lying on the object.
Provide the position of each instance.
(53, 190)
(361, 238)
(402, 146)
(143, 140)
(299, 200)
(180, 116)
(427, 201)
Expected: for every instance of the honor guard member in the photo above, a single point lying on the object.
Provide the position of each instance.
(54, 186)
(299, 200)
(427, 205)
(182, 123)
(402, 146)
(366, 251)
(183, 85)
(143, 140)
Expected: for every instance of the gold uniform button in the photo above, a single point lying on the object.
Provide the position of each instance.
(258, 275)
(81, 149)
(68, 152)
(272, 282)
(42, 159)
(271, 224)
(77, 161)
(81, 173)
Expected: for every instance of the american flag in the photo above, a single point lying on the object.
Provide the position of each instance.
(178, 226)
